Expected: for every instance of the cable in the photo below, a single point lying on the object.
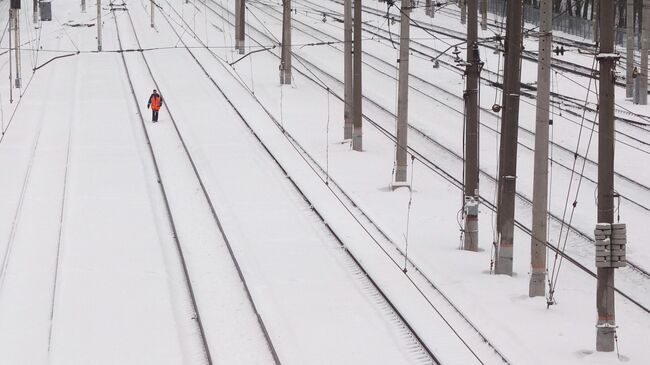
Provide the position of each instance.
(553, 277)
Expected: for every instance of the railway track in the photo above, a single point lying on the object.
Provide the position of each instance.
(428, 162)
(416, 344)
(570, 154)
(344, 196)
(564, 103)
(524, 199)
(559, 64)
(163, 190)
(26, 181)
(318, 169)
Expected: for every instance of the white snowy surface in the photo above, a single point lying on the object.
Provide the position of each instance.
(82, 207)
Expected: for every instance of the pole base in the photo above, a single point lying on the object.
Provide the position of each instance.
(537, 285)
(400, 175)
(347, 131)
(357, 143)
(504, 261)
(397, 184)
(605, 341)
(285, 78)
(240, 45)
(471, 234)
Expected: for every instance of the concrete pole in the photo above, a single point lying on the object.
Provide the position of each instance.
(237, 23)
(472, 129)
(11, 87)
(152, 5)
(508, 143)
(430, 8)
(483, 9)
(595, 20)
(99, 25)
(629, 66)
(537, 285)
(463, 11)
(240, 26)
(605, 291)
(35, 11)
(645, 42)
(357, 132)
(401, 165)
(17, 45)
(285, 62)
(83, 6)
(347, 69)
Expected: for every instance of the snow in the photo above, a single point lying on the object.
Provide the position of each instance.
(91, 255)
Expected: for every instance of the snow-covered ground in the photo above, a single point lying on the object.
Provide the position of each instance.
(125, 242)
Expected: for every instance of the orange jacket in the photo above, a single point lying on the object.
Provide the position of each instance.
(155, 102)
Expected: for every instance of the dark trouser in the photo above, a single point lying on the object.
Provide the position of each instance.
(154, 116)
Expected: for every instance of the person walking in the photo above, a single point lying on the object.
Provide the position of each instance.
(155, 102)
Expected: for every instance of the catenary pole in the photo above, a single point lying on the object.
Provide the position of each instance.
(401, 165)
(483, 8)
(18, 82)
(285, 62)
(596, 26)
(347, 69)
(463, 11)
(472, 129)
(240, 36)
(430, 8)
(629, 65)
(11, 81)
(83, 6)
(537, 282)
(237, 23)
(645, 44)
(35, 11)
(357, 132)
(508, 143)
(605, 290)
(99, 25)
(152, 5)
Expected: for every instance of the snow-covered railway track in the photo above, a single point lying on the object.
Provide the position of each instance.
(441, 170)
(377, 232)
(170, 216)
(417, 344)
(569, 155)
(573, 68)
(523, 198)
(418, 351)
(634, 126)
